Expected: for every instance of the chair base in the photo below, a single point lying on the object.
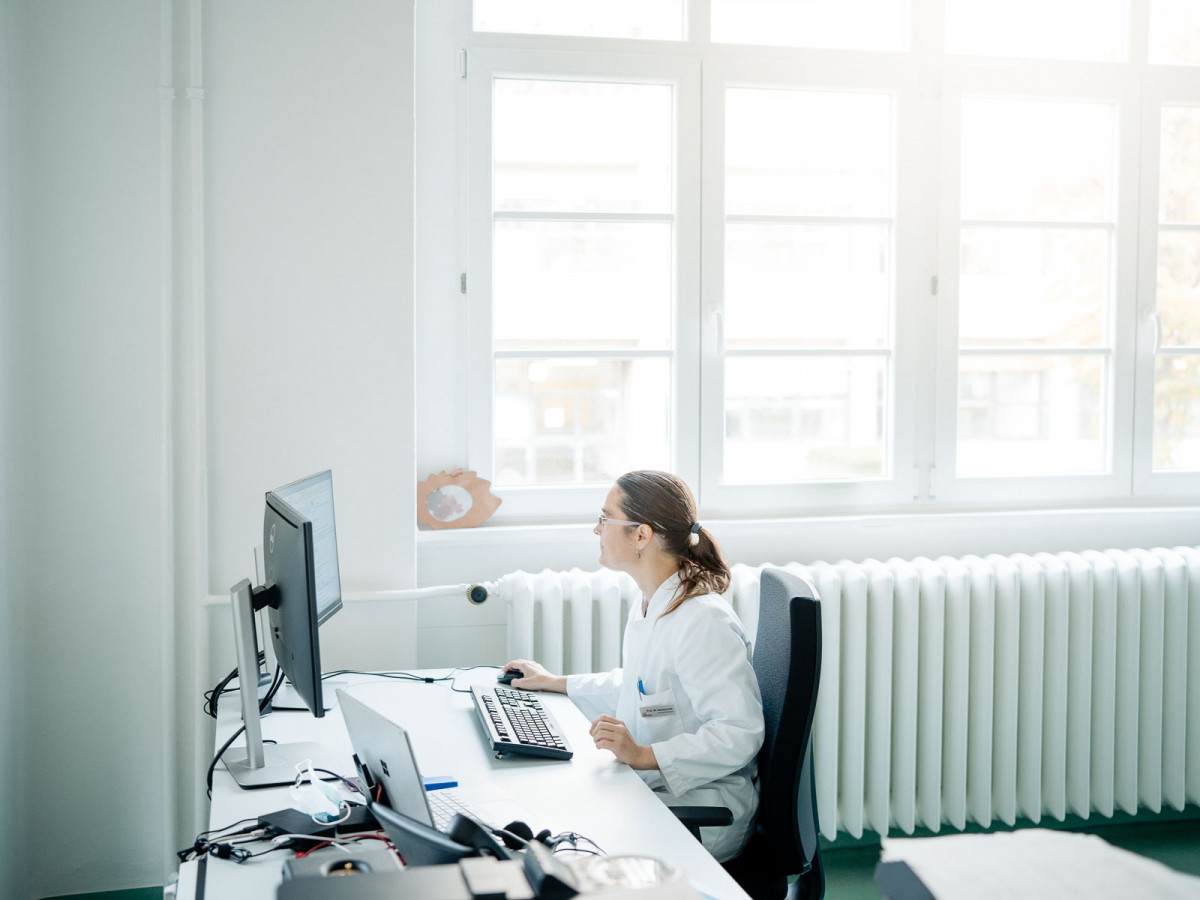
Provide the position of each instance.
(753, 871)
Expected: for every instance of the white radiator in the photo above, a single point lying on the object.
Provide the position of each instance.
(954, 690)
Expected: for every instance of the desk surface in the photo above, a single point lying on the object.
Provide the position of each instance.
(591, 793)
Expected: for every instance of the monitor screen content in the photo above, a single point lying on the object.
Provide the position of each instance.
(300, 552)
(312, 497)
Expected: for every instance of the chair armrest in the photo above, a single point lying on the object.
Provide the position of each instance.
(695, 817)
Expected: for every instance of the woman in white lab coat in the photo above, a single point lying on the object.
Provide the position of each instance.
(685, 709)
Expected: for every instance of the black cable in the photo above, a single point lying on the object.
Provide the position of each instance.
(400, 675)
(352, 785)
(262, 704)
(216, 759)
(212, 695)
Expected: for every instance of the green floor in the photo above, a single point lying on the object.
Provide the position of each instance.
(849, 871)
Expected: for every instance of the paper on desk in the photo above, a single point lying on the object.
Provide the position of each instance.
(1036, 863)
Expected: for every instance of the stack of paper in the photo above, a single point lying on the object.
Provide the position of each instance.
(1036, 863)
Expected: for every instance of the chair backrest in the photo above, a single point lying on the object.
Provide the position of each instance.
(787, 661)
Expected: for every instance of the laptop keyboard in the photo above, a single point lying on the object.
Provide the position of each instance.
(443, 804)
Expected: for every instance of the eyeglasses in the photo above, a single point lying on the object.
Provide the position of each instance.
(605, 520)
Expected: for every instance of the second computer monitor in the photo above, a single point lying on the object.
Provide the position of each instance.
(300, 555)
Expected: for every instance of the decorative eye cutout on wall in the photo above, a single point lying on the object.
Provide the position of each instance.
(455, 500)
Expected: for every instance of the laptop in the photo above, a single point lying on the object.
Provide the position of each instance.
(383, 748)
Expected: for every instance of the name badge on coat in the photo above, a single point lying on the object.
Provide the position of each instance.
(653, 706)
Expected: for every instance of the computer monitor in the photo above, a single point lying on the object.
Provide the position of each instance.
(301, 563)
(301, 589)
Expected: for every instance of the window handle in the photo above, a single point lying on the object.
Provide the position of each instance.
(1156, 331)
(718, 318)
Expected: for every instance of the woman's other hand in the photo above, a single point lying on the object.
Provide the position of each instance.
(611, 734)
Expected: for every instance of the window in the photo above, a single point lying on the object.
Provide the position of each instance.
(1035, 267)
(808, 284)
(1175, 32)
(582, 281)
(814, 257)
(1177, 293)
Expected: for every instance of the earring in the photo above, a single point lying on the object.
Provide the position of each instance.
(639, 553)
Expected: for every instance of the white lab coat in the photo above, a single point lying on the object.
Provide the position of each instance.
(698, 707)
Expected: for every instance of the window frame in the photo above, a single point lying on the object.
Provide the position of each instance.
(1162, 86)
(898, 482)
(454, 424)
(1037, 80)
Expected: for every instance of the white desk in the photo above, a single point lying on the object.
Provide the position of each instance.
(591, 794)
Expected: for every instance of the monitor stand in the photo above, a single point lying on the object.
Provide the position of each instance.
(256, 764)
(287, 698)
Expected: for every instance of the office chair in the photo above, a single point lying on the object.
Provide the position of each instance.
(787, 662)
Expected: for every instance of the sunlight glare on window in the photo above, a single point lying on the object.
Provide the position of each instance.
(1029, 287)
(804, 419)
(661, 20)
(576, 146)
(1039, 29)
(1177, 413)
(1037, 160)
(1175, 32)
(843, 24)
(809, 153)
(1177, 297)
(807, 285)
(583, 420)
(1036, 251)
(1030, 415)
(583, 269)
(581, 285)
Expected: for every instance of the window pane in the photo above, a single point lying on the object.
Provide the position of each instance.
(575, 146)
(1033, 286)
(1177, 413)
(1179, 168)
(1178, 294)
(560, 421)
(582, 285)
(1030, 415)
(791, 420)
(1037, 160)
(1175, 32)
(808, 153)
(651, 19)
(1039, 29)
(792, 285)
(847, 24)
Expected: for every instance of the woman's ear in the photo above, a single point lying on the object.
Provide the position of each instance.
(643, 536)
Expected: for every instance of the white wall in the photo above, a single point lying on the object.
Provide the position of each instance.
(308, 297)
(308, 125)
(213, 297)
(87, 483)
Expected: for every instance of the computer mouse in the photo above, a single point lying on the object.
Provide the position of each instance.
(507, 677)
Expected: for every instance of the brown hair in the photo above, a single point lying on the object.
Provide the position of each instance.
(665, 503)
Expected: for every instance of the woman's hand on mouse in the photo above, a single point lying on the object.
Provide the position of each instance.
(537, 678)
(611, 734)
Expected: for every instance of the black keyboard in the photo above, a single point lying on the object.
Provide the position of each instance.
(516, 722)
